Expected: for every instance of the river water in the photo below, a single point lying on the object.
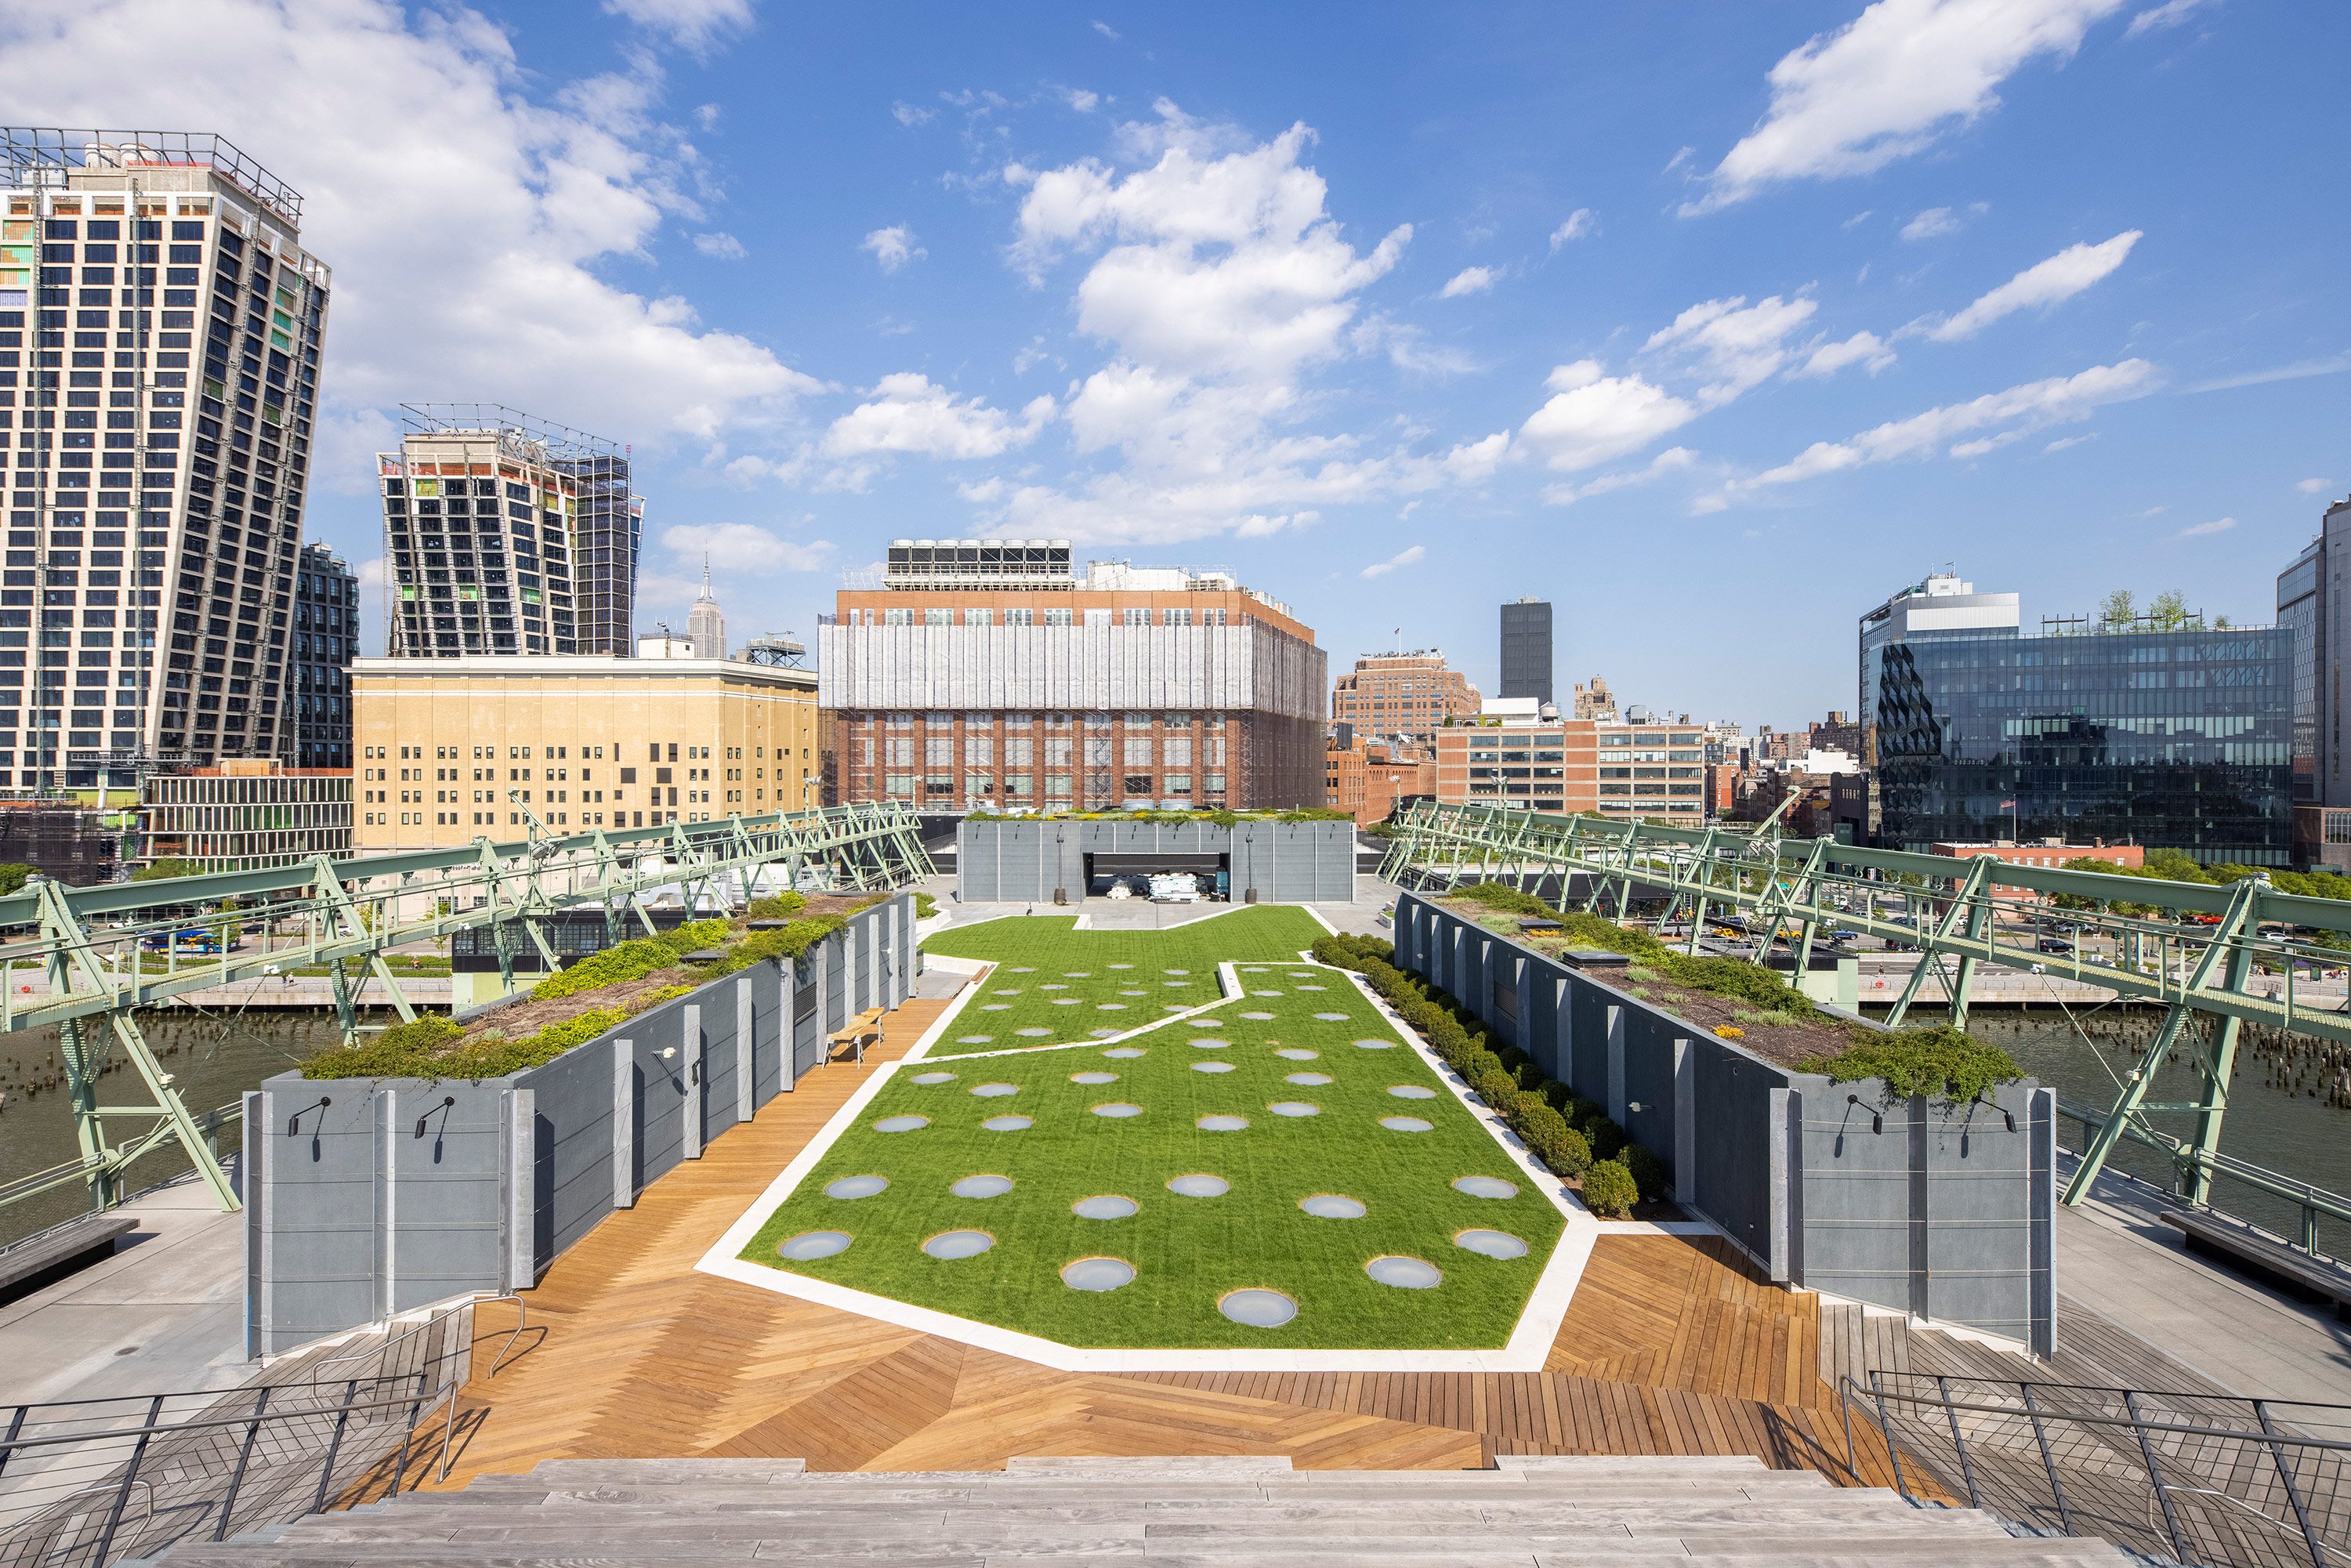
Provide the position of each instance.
(216, 1058)
(2278, 1115)
(213, 1058)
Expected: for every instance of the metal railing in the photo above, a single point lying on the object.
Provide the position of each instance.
(85, 1483)
(2200, 1479)
(2310, 1202)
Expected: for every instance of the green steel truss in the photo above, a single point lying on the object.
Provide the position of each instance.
(2200, 954)
(347, 913)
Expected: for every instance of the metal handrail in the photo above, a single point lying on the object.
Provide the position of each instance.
(2267, 1437)
(433, 1388)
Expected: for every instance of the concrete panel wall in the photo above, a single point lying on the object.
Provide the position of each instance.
(1027, 861)
(371, 1195)
(1938, 1210)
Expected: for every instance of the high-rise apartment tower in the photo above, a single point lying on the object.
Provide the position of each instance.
(507, 535)
(326, 639)
(1526, 648)
(160, 327)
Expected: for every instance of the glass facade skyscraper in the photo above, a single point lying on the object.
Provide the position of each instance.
(1526, 648)
(2174, 740)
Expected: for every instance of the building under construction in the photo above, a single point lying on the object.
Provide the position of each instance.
(980, 674)
(64, 839)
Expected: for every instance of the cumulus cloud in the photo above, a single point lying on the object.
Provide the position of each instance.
(2312, 486)
(720, 246)
(1736, 344)
(2039, 286)
(1218, 283)
(893, 248)
(1889, 83)
(377, 120)
(1865, 348)
(691, 24)
(1579, 223)
(909, 412)
(1081, 99)
(1469, 280)
(2009, 415)
(911, 115)
(1402, 558)
(1593, 417)
(745, 548)
(2203, 530)
(1107, 31)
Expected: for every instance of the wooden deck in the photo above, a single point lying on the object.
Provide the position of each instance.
(1671, 1346)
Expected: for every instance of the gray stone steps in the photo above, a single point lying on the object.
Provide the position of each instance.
(1185, 1512)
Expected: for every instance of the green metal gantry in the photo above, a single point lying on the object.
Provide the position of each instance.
(88, 947)
(2209, 951)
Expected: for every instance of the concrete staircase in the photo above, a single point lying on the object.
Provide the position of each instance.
(1172, 1513)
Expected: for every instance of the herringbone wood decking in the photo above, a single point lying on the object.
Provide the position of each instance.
(1672, 1346)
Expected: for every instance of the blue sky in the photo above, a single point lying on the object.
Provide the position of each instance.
(1711, 322)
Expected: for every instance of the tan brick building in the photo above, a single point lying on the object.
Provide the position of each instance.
(453, 749)
(980, 674)
(1390, 696)
(1576, 765)
(1368, 778)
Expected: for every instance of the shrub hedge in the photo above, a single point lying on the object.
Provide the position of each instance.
(1566, 1133)
(1609, 1190)
(1937, 1062)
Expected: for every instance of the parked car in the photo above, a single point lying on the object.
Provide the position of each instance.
(2055, 944)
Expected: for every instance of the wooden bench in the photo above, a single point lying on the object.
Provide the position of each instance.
(2297, 1273)
(46, 1258)
(865, 1028)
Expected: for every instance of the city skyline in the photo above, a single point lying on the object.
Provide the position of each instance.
(1665, 314)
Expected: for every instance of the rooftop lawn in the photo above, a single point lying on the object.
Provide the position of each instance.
(1054, 984)
(1187, 1251)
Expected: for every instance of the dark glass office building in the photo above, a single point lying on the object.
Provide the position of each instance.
(1526, 648)
(2179, 739)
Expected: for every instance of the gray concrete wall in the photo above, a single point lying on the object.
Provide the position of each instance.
(1024, 862)
(375, 1194)
(1938, 1210)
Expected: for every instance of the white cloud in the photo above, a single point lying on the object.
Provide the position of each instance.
(2013, 414)
(1402, 558)
(744, 548)
(1935, 221)
(719, 246)
(1081, 99)
(1407, 347)
(1865, 348)
(910, 115)
(1889, 83)
(1107, 31)
(910, 412)
(1579, 223)
(1738, 344)
(2312, 486)
(375, 121)
(708, 116)
(1220, 265)
(2064, 442)
(2170, 13)
(1672, 460)
(2043, 285)
(893, 248)
(2203, 530)
(694, 24)
(2299, 370)
(1469, 280)
(1593, 417)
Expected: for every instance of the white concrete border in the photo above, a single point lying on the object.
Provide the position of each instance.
(1528, 1348)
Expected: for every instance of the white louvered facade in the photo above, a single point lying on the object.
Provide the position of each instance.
(1255, 667)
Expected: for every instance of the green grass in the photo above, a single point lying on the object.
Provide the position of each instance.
(1072, 983)
(1187, 1252)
